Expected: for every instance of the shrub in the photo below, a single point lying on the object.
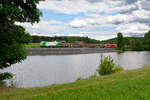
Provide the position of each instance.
(106, 66)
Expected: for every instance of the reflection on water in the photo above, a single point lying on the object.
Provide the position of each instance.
(51, 69)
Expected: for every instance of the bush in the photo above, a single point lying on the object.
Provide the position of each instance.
(106, 66)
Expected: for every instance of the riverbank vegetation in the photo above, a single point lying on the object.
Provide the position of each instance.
(124, 43)
(107, 66)
(125, 85)
(131, 43)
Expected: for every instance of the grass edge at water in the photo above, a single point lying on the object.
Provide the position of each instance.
(125, 85)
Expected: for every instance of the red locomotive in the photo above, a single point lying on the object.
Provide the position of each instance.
(110, 45)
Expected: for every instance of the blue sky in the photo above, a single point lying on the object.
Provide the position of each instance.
(98, 19)
(51, 15)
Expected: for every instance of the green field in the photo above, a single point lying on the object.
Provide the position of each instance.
(126, 85)
(32, 45)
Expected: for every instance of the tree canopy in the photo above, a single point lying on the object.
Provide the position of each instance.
(120, 41)
(12, 36)
(68, 39)
(147, 40)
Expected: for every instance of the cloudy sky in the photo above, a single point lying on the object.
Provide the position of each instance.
(98, 19)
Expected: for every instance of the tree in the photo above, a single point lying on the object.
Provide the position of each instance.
(12, 36)
(147, 40)
(120, 41)
(137, 45)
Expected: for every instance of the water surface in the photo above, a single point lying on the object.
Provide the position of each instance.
(38, 70)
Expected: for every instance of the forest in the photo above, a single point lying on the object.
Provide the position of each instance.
(68, 39)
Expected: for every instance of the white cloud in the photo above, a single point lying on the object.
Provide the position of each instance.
(45, 27)
(120, 18)
(72, 6)
(129, 28)
(73, 34)
(101, 35)
(132, 17)
(78, 23)
(142, 14)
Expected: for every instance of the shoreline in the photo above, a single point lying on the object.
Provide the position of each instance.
(65, 51)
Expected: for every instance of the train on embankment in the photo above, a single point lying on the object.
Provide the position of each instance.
(56, 44)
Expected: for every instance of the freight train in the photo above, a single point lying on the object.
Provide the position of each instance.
(75, 45)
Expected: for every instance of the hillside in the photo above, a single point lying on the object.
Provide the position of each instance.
(71, 39)
(126, 85)
(128, 40)
(68, 39)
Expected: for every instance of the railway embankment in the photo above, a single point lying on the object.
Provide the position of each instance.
(63, 51)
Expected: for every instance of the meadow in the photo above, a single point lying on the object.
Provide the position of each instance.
(32, 45)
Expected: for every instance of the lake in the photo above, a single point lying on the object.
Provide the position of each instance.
(45, 70)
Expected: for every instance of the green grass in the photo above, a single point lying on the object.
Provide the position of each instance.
(126, 85)
(32, 45)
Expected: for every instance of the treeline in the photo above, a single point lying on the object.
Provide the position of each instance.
(124, 43)
(131, 43)
(68, 39)
(127, 40)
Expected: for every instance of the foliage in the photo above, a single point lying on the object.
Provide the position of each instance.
(109, 41)
(137, 46)
(133, 43)
(12, 36)
(120, 41)
(5, 76)
(68, 39)
(106, 66)
(129, 43)
(127, 40)
(147, 40)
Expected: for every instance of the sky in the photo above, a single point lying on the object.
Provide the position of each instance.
(97, 19)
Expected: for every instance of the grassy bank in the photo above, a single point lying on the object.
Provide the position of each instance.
(32, 45)
(126, 85)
